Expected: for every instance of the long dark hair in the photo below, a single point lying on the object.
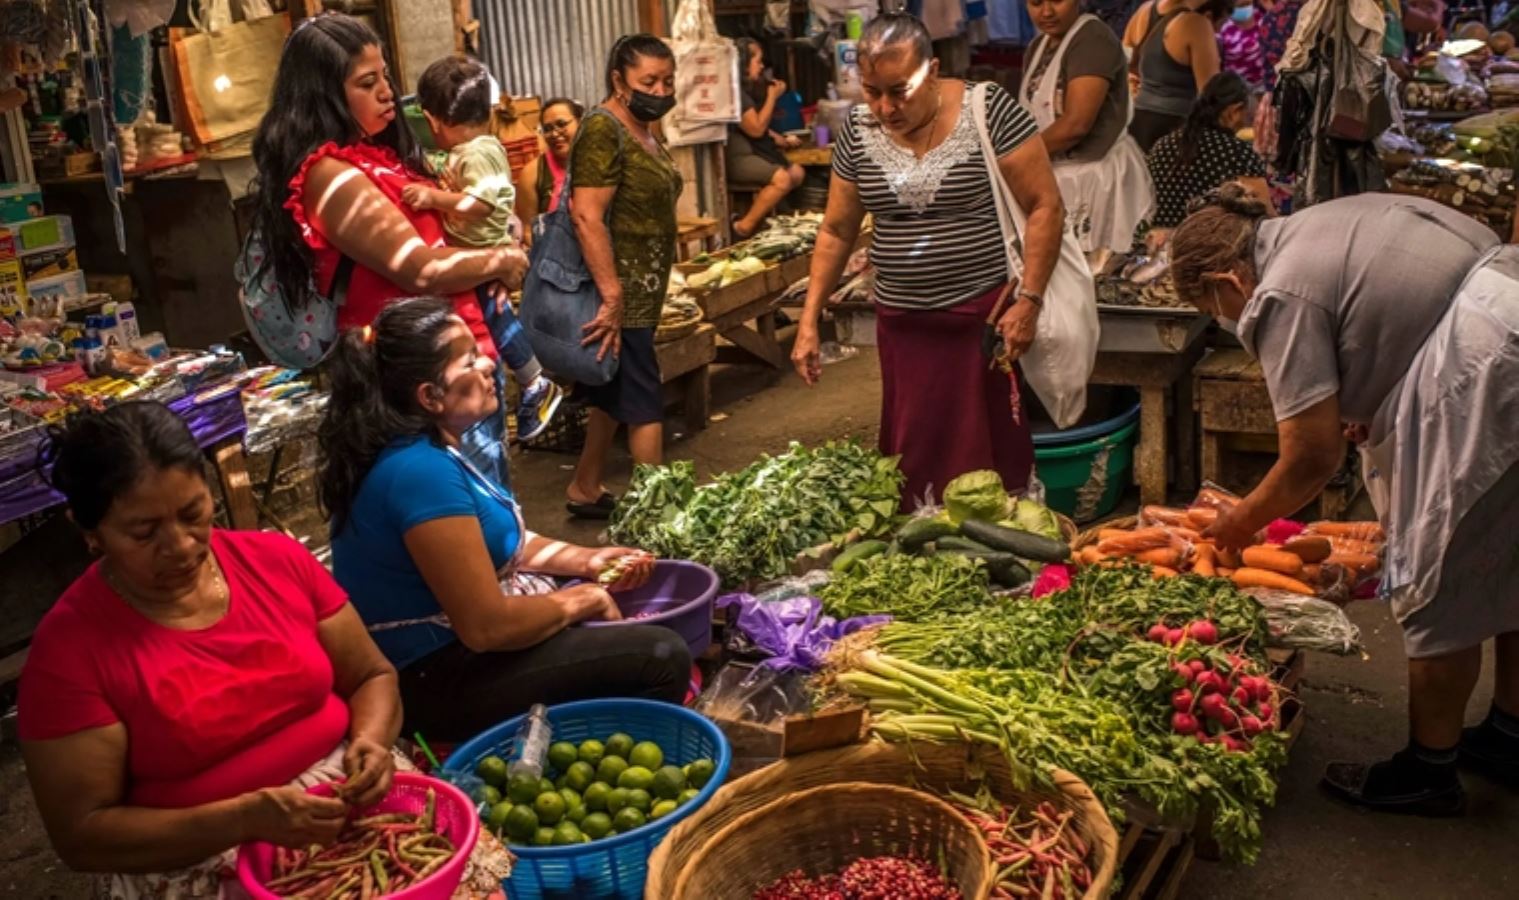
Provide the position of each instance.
(309, 108)
(629, 49)
(374, 375)
(96, 457)
(1221, 92)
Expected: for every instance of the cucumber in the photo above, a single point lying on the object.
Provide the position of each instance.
(956, 542)
(918, 532)
(1022, 544)
(1005, 569)
(856, 554)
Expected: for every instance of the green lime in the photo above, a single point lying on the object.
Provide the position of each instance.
(488, 795)
(700, 772)
(595, 796)
(547, 786)
(636, 777)
(562, 754)
(521, 823)
(619, 744)
(550, 807)
(628, 819)
(495, 820)
(522, 789)
(639, 799)
(567, 833)
(543, 837)
(492, 771)
(592, 751)
(610, 767)
(687, 794)
(576, 814)
(571, 797)
(662, 808)
(617, 798)
(669, 781)
(597, 825)
(579, 776)
(647, 755)
(561, 783)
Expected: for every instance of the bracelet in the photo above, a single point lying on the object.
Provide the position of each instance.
(1032, 297)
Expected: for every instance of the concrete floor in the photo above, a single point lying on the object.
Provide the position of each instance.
(1314, 848)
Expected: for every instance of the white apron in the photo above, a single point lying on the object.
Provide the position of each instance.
(1440, 441)
(1105, 199)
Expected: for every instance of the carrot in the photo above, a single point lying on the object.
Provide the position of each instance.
(1113, 534)
(1163, 515)
(1264, 557)
(1159, 572)
(1360, 563)
(1309, 548)
(1229, 558)
(1265, 578)
(1226, 572)
(1167, 557)
(1313, 573)
(1136, 541)
(1089, 555)
(1361, 531)
(1204, 562)
(1185, 534)
(1202, 517)
(1351, 545)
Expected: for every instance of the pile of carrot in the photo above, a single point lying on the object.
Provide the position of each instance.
(1171, 541)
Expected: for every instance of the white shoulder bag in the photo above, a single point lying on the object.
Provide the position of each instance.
(1059, 363)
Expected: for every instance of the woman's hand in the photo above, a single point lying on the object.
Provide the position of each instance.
(776, 88)
(511, 267)
(1018, 326)
(806, 356)
(1231, 530)
(606, 328)
(290, 817)
(635, 567)
(589, 602)
(370, 768)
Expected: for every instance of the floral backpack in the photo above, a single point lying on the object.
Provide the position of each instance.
(296, 332)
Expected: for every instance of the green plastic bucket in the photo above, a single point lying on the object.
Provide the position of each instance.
(1086, 479)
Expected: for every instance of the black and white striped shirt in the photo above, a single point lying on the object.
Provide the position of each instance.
(937, 240)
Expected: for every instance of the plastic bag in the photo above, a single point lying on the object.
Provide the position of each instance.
(1307, 623)
(792, 631)
(750, 705)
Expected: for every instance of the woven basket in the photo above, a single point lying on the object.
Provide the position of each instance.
(1089, 537)
(938, 766)
(822, 830)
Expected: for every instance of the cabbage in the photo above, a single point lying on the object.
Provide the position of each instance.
(1035, 518)
(976, 495)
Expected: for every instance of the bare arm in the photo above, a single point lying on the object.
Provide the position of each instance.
(454, 562)
(357, 218)
(1312, 450)
(1202, 48)
(1134, 31)
(367, 680)
(835, 241)
(527, 193)
(1083, 101)
(466, 206)
(1029, 176)
(588, 209)
(756, 122)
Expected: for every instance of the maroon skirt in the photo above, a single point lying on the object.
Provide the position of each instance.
(944, 410)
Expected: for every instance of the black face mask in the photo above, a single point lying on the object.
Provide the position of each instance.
(647, 107)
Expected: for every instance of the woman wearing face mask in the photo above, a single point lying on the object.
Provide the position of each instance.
(1074, 85)
(913, 160)
(1395, 321)
(1240, 40)
(1173, 48)
(1204, 154)
(541, 182)
(753, 153)
(624, 186)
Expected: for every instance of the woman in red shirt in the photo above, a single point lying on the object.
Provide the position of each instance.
(187, 687)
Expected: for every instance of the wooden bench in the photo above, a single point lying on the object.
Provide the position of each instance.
(685, 368)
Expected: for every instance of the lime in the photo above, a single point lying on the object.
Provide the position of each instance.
(639, 799)
(595, 796)
(619, 744)
(597, 825)
(492, 771)
(562, 754)
(611, 767)
(521, 823)
(617, 798)
(592, 752)
(575, 814)
(662, 808)
(488, 795)
(561, 783)
(627, 819)
(579, 776)
(550, 807)
(495, 820)
(567, 833)
(571, 797)
(700, 772)
(545, 786)
(522, 789)
(543, 837)
(636, 777)
(647, 755)
(687, 794)
(669, 781)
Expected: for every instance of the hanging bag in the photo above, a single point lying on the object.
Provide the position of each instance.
(295, 332)
(1059, 363)
(225, 69)
(559, 296)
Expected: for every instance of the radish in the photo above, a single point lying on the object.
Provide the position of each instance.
(1211, 681)
(1234, 744)
(1174, 636)
(1157, 633)
(1236, 662)
(1267, 715)
(1197, 666)
(1241, 697)
(1181, 701)
(1213, 706)
(1184, 723)
(1251, 725)
(1228, 718)
(1262, 689)
(1204, 632)
(1184, 671)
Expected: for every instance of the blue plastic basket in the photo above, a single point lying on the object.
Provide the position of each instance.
(614, 866)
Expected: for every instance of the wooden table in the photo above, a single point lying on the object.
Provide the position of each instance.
(701, 231)
(811, 156)
(685, 369)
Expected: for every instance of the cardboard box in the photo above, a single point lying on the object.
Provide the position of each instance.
(13, 296)
(67, 286)
(47, 263)
(19, 202)
(34, 235)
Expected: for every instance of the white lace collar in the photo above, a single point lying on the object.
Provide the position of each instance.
(916, 181)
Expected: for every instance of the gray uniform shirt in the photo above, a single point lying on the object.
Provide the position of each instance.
(1349, 291)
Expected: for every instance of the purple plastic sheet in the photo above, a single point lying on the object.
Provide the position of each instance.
(793, 631)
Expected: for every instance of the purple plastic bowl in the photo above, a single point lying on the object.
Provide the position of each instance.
(678, 596)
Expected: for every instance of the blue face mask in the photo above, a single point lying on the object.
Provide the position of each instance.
(1243, 14)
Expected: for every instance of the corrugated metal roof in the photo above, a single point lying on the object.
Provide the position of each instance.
(552, 47)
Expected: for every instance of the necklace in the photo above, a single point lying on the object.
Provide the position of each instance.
(221, 596)
(933, 125)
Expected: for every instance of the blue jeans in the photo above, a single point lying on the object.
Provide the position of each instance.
(485, 444)
(511, 341)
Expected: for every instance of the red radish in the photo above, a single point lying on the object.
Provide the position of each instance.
(1228, 718)
(1184, 723)
(1241, 697)
(1183, 670)
(1181, 701)
(1197, 666)
(1204, 738)
(1211, 681)
(1174, 636)
(1157, 633)
(1267, 714)
(1204, 632)
(1234, 744)
(1262, 689)
(1251, 725)
(1212, 706)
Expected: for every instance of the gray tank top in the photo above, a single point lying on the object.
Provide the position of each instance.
(1165, 85)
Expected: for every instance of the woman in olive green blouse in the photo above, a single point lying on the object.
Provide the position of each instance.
(623, 191)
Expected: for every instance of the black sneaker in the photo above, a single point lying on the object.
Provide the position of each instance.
(1403, 785)
(1490, 752)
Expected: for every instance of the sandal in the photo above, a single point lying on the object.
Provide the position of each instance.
(600, 510)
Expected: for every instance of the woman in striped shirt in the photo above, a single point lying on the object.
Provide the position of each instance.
(913, 160)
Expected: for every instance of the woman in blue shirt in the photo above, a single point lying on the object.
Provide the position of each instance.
(436, 556)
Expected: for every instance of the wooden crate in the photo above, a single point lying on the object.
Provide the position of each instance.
(1153, 856)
